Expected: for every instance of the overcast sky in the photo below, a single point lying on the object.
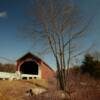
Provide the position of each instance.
(12, 15)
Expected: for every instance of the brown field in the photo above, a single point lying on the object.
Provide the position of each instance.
(79, 88)
(16, 89)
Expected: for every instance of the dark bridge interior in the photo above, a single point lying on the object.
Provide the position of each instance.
(29, 67)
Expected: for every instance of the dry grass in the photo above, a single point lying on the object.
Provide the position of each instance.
(79, 88)
(15, 90)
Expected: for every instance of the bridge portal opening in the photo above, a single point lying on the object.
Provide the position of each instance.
(29, 67)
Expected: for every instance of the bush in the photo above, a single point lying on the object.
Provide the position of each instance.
(90, 66)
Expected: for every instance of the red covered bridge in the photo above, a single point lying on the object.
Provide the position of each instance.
(30, 66)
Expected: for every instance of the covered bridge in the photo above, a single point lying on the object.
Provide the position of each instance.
(30, 66)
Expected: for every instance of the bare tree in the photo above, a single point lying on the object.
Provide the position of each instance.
(58, 24)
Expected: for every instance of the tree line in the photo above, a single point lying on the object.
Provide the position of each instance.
(7, 67)
(90, 66)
